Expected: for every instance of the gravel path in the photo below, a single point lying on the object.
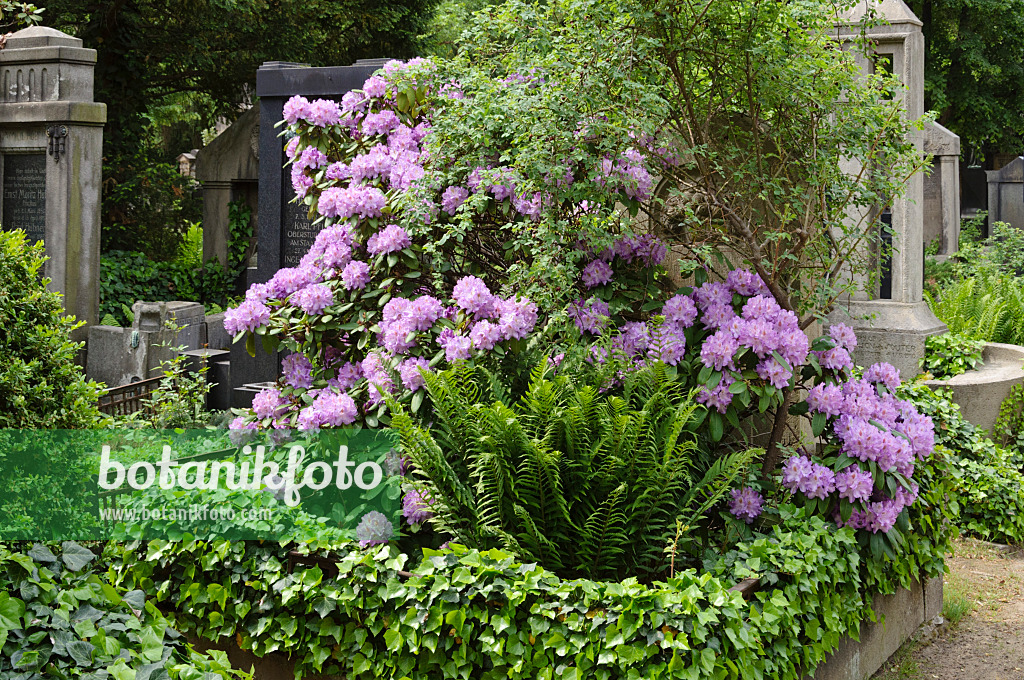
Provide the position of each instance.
(985, 587)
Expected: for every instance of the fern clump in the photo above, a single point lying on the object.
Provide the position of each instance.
(588, 485)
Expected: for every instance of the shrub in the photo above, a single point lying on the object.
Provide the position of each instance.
(127, 277)
(40, 384)
(987, 482)
(587, 485)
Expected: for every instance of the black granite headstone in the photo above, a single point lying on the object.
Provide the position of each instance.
(284, 232)
(24, 194)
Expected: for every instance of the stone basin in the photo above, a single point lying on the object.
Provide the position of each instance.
(980, 392)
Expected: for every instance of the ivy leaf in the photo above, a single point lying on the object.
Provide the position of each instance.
(81, 651)
(75, 557)
(11, 611)
(40, 553)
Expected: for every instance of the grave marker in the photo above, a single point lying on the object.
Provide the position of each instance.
(51, 149)
(284, 231)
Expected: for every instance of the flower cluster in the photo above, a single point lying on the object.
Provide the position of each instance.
(416, 507)
(746, 504)
(871, 434)
(374, 529)
(762, 330)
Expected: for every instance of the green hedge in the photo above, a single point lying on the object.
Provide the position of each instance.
(463, 613)
(986, 481)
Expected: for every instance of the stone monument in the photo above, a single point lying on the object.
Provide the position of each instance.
(942, 189)
(1006, 194)
(892, 324)
(228, 169)
(51, 148)
(284, 230)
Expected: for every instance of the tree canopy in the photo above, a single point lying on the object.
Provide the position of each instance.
(974, 68)
(152, 50)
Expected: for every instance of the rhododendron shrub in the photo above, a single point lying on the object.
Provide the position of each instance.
(732, 341)
(411, 268)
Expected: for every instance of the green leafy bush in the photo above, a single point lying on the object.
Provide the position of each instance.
(59, 618)
(1009, 427)
(587, 485)
(987, 485)
(126, 277)
(950, 354)
(40, 384)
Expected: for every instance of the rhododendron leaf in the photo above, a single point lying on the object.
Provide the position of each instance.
(715, 426)
(730, 415)
(818, 421)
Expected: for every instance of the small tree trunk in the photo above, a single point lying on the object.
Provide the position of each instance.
(771, 458)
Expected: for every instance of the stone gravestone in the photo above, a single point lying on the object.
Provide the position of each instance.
(892, 323)
(228, 169)
(51, 147)
(284, 230)
(942, 189)
(1006, 194)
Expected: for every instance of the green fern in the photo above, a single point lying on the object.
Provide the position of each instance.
(586, 484)
(988, 306)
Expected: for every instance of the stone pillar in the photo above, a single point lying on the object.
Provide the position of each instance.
(942, 189)
(51, 149)
(892, 324)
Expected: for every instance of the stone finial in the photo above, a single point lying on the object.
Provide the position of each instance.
(41, 36)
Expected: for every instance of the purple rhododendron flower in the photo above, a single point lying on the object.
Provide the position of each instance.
(884, 373)
(718, 350)
(680, 310)
(355, 275)
(366, 202)
(472, 295)
(247, 316)
(380, 123)
(516, 318)
(854, 484)
(746, 283)
(844, 336)
(720, 397)
(409, 370)
(296, 109)
(375, 86)
(746, 504)
(297, 371)
(269, 403)
(597, 273)
(591, 317)
(324, 112)
(452, 198)
(391, 239)
(313, 299)
(485, 335)
(827, 399)
(416, 507)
